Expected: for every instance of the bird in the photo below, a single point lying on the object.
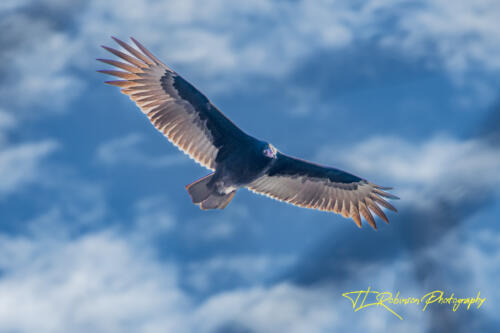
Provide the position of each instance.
(189, 120)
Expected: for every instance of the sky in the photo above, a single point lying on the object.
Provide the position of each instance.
(97, 232)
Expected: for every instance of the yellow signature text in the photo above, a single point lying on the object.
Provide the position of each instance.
(362, 299)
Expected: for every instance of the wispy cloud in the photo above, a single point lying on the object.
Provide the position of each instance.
(97, 282)
(39, 58)
(457, 36)
(7, 120)
(110, 280)
(460, 35)
(20, 164)
(104, 282)
(82, 266)
(233, 49)
(153, 218)
(443, 182)
(242, 269)
(130, 149)
(442, 166)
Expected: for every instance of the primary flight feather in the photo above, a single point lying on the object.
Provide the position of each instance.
(192, 123)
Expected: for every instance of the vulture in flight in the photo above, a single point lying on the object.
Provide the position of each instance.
(191, 122)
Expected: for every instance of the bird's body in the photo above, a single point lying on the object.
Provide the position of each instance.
(234, 171)
(246, 166)
(190, 121)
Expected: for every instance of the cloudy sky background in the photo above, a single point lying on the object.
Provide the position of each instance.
(98, 234)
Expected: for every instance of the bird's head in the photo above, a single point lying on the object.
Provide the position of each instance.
(269, 151)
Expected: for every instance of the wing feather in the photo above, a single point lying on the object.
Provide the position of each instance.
(309, 185)
(176, 108)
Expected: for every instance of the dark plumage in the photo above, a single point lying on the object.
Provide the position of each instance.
(192, 123)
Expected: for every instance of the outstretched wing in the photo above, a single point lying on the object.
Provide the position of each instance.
(309, 185)
(175, 107)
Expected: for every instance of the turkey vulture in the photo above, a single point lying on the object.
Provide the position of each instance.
(192, 123)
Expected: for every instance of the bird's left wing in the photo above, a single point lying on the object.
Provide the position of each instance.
(310, 185)
(175, 107)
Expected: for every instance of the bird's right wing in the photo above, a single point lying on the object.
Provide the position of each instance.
(310, 185)
(175, 107)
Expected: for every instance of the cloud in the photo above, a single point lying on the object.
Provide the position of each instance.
(39, 58)
(228, 44)
(282, 308)
(7, 121)
(222, 228)
(96, 282)
(110, 280)
(443, 182)
(231, 47)
(458, 36)
(223, 271)
(104, 282)
(67, 198)
(442, 166)
(481, 256)
(490, 129)
(130, 149)
(285, 307)
(20, 164)
(153, 219)
(461, 35)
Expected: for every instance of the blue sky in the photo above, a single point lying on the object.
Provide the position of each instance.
(97, 232)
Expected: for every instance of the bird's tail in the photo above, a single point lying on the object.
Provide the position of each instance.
(206, 197)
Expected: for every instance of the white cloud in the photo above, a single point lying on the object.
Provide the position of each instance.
(481, 257)
(103, 282)
(226, 43)
(19, 164)
(130, 150)
(288, 308)
(38, 67)
(78, 201)
(97, 282)
(7, 5)
(7, 121)
(12, 4)
(153, 218)
(246, 268)
(222, 226)
(442, 166)
(461, 34)
(106, 281)
(283, 308)
(475, 258)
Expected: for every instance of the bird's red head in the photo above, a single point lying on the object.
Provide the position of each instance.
(270, 151)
